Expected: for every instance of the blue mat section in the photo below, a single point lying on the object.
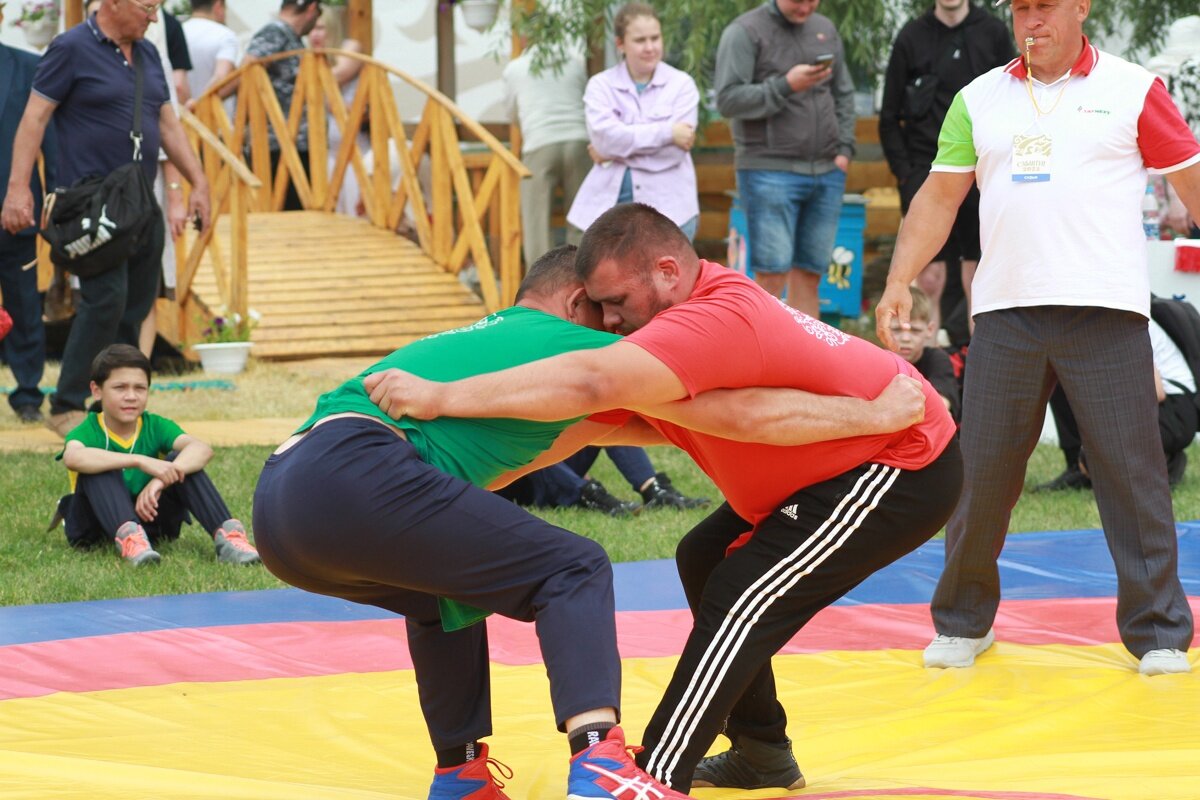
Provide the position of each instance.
(1034, 566)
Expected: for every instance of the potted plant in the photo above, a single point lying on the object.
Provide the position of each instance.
(225, 344)
(479, 14)
(38, 20)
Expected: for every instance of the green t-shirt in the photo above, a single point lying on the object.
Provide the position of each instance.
(476, 450)
(155, 437)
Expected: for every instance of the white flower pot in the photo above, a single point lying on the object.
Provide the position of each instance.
(38, 34)
(479, 14)
(223, 358)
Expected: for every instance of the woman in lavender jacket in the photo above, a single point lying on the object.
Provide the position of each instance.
(641, 119)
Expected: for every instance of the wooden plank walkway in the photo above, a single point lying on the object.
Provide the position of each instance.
(331, 285)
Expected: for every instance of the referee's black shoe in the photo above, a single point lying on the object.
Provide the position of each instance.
(750, 764)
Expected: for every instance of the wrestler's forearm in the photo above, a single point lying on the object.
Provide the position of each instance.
(574, 384)
(788, 416)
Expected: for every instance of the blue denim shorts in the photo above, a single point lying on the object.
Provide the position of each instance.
(791, 219)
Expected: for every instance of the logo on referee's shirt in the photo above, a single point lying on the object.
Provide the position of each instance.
(789, 511)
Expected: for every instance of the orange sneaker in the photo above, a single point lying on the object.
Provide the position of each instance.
(134, 545)
(232, 545)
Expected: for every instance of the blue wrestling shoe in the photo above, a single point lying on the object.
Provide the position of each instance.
(470, 781)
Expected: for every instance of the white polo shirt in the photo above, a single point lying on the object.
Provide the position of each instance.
(1075, 238)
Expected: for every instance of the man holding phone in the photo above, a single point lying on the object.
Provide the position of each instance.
(782, 80)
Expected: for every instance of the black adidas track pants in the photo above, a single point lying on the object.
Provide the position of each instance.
(748, 605)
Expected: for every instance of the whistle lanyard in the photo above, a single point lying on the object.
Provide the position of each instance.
(1029, 88)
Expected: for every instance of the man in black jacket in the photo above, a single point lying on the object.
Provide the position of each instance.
(934, 56)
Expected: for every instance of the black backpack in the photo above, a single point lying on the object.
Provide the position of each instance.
(97, 223)
(1181, 321)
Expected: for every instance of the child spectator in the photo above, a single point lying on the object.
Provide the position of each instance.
(135, 475)
(932, 362)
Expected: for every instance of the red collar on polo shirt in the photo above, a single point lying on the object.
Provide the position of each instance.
(1083, 65)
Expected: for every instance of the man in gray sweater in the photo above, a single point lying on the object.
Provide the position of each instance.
(783, 80)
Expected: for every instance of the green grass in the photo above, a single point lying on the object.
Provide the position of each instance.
(39, 567)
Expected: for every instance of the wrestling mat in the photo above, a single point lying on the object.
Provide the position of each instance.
(281, 694)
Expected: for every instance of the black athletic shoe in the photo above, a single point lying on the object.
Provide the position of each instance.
(661, 494)
(1176, 465)
(596, 497)
(750, 764)
(1070, 478)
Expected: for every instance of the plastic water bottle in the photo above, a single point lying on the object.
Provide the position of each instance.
(1150, 216)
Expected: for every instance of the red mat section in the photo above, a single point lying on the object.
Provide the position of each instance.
(295, 649)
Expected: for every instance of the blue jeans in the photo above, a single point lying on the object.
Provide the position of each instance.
(791, 219)
(632, 462)
(25, 346)
(625, 195)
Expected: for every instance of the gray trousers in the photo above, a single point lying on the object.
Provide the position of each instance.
(1103, 359)
(563, 164)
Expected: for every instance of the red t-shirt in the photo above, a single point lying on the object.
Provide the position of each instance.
(730, 333)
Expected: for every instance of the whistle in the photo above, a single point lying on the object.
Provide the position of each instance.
(1028, 43)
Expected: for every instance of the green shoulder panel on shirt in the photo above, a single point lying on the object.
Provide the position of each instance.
(956, 142)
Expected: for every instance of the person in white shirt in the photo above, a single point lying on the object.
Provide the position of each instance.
(549, 109)
(212, 44)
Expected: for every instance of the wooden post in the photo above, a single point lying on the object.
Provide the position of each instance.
(446, 71)
(72, 14)
(360, 23)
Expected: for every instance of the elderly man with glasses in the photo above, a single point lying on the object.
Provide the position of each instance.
(86, 83)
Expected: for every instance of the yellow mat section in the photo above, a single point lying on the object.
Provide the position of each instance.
(1027, 723)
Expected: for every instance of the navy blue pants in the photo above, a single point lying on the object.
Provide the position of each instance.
(562, 484)
(632, 462)
(102, 504)
(351, 511)
(25, 346)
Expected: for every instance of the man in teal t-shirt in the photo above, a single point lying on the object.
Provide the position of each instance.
(391, 514)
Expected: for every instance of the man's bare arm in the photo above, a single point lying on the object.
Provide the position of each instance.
(179, 151)
(794, 417)
(568, 443)
(922, 234)
(575, 384)
(17, 214)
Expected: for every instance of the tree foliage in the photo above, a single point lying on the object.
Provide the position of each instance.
(692, 28)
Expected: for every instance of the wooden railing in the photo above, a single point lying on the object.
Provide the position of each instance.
(415, 178)
(233, 190)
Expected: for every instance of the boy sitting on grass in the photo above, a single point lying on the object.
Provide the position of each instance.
(137, 475)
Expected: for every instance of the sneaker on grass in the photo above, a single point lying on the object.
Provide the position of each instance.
(134, 545)
(606, 771)
(232, 546)
(751, 764)
(956, 651)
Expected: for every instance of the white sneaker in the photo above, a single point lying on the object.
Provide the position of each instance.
(956, 651)
(1164, 662)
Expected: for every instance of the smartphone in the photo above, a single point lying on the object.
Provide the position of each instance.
(823, 60)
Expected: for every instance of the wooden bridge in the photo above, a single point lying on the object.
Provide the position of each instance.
(322, 283)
